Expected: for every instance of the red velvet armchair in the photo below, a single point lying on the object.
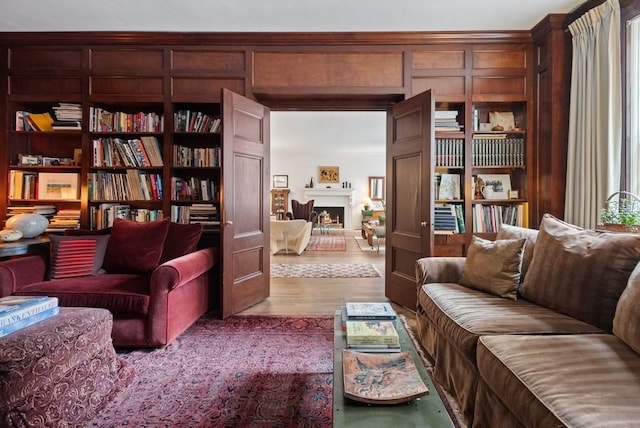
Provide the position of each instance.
(152, 302)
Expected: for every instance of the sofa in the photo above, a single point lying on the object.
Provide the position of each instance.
(538, 328)
(150, 276)
(289, 235)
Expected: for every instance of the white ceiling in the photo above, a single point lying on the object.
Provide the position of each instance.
(276, 15)
(358, 132)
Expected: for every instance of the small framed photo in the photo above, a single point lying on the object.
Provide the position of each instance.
(29, 160)
(328, 174)
(57, 185)
(513, 194)
(280, 181)
(500, 184)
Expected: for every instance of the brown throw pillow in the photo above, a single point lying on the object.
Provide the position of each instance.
(73, 256)
(181, 239)
(580, 272)
(626, 323)
(494, 266)
(135, 247)
(515, 232)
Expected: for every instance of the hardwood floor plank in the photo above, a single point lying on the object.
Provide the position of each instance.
(322, 296)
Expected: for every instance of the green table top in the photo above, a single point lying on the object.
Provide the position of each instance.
(426, 411)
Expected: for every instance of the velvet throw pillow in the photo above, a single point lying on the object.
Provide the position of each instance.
(580, 272)
(72, 256)
(135, 247)
(515, 232)
(181, 239)
(626, 323)
(494, 266)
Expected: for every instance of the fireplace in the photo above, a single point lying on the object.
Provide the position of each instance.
(336, 214)
(330, 199)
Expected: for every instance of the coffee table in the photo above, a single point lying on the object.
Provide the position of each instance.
(427, 411)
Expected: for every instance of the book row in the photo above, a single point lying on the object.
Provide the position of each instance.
(203, 189)
(488, 218)
(132, 184)
(42, 185)
(498, 152)
(118, 152)
(195, 121)
(449, 218)
(102, 216)
(204, 214)
(101, 120)
(450, 152)
(196, 156)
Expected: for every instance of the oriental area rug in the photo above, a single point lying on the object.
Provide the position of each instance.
(327, 243)
(323, 270)
(245, 371)
(364, 245)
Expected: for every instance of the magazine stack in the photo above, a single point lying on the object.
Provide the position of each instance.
(18, 312)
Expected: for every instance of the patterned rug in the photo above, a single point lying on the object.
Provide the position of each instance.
(244, 371)
(327, 243)
(364, 245)
(318, 270)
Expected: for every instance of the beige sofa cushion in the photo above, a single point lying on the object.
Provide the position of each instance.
(507, 231)
(626, 323)
(580, 272)
(494, 266)
(462, 315)
(568, 380)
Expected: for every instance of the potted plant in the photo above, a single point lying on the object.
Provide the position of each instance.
(621, 213)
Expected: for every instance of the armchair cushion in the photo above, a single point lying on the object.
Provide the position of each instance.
(76, 255)
(290, 235)
(135, 247)
(181, 239)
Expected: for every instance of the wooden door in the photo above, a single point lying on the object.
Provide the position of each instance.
(410, 172)
(244, 203)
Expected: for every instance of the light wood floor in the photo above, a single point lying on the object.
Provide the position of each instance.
(322, 296)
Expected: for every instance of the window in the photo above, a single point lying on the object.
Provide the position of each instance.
(632, 128)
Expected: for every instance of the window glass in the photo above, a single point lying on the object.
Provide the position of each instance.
(633, 91)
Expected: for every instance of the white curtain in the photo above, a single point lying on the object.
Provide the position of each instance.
(633, 121)
(595, 117)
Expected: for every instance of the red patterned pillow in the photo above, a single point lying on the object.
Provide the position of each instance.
(73, 256)
(135, 247)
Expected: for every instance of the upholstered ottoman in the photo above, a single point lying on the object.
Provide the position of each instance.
(60, 371)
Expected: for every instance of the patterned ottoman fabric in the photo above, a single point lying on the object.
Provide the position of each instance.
(60, 371)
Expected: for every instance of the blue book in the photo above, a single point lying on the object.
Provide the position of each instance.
(24, 307)
(26, 322)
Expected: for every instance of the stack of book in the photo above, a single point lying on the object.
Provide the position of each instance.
(447, 121)
(445, 219)
(18, 312)
(370, 327)
(68, 116)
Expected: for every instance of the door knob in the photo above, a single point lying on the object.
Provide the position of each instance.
(423, 223)
(229, 222)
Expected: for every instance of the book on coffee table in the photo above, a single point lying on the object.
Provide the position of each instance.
(370, 311)
(372, 332)
(381, 378)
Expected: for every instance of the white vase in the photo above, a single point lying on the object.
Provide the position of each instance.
(31, 225)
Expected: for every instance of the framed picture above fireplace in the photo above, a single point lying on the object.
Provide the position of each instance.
(328, 174)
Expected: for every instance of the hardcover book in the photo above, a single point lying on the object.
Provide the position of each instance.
(372, 332)
(28, 321)
(381, 378)
(17, 308)
(370, 311)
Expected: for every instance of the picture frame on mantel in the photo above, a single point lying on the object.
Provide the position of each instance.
(328, 174)
(280, 181)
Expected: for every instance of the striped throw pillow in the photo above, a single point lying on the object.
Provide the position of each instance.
(73, 258)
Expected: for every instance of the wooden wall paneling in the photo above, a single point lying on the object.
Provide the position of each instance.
(4, 126)
(126, 61)
(551, 115)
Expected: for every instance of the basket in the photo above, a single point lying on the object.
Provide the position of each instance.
(621, 213)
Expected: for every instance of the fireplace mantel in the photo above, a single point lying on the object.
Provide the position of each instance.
(332, 197)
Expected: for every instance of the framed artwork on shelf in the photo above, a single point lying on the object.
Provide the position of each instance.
(500, 184)
(57, 185)
(280, 181)
(328, 174)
